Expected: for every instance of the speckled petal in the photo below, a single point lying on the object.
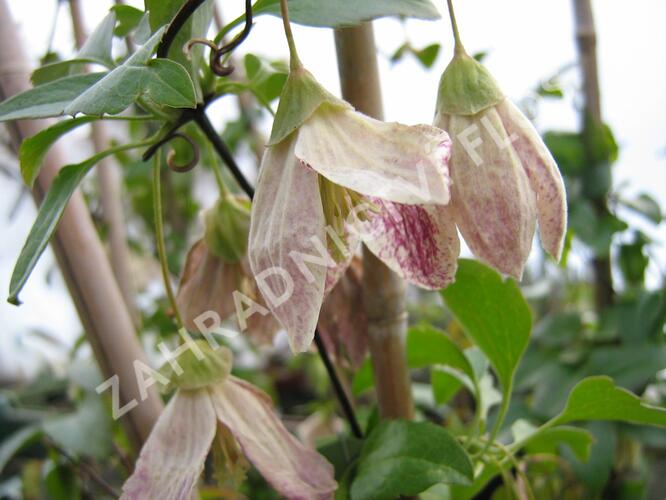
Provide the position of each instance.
(286, 214)
(173, 457)
(405, 164)
(544, 177)
(207, 284)
(419, 242)
(491, 199)
(296, 472)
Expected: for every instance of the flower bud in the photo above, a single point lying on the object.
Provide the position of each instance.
(227, 225)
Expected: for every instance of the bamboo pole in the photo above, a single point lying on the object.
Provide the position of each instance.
(81, 257)
(586, 39)
(383, 290)
(110, 189)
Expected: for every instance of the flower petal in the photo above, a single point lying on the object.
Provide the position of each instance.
(173, 456)
(492, 202)
(292, 469)
(207, 284)
(343, 323)
(419, 242)
(286, 215)
(384, 160)
(543, 174)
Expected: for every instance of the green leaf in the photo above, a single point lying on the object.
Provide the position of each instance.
(494, 314)
(99, 44)
(86, 431)
(14, 443)
(266, 80)
(49, 215)
(347, 12)
(549, 440)
(595, 231)
(427, 346)
(49, 99)
(128, 19)
(96, 50)
(646, 206)
(598, 398)
(579, 441)
(405, 458)
(34, 149)
(55, 71)
(164, 82)
(445, 384)
(428, 55)
(161, 12)
(213, 368)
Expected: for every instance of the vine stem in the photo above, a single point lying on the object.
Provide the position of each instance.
(294, 61)
(159, 236)
(459, 49)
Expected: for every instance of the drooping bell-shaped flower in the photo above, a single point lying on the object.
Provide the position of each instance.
(503, 176)
(326, 167)
(211, 408)
(216, 267)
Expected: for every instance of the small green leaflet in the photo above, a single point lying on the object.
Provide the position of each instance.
(405, 458)
(163, 81)
(347, 12)
(598, 398)
(48, 217)
(49, 99)
(494, 314)
(34, 149)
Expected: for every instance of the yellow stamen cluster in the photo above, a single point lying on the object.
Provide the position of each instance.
(341, 206)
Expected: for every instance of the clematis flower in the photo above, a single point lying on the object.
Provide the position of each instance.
(216, 266)
(209, 403)
(504, 178)
(330, 173)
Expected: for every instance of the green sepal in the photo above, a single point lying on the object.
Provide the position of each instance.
(466, 87)
(213, 368)
(227, 228)
(301, 97)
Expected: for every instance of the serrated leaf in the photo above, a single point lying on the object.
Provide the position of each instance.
(405, 458)
(163, 81)
(50, 212)
(494, 314)
(347, 12)
(49, 99)
(598, 398)
(34, 149)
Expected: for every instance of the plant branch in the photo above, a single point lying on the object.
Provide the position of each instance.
(176, 25)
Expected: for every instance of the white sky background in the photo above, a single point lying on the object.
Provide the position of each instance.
(527, 41)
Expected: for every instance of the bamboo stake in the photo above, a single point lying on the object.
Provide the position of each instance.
(81, 257)
(383, 290)
(110, 189)
(586, 39)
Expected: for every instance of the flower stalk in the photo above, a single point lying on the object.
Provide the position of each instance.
(294, 61)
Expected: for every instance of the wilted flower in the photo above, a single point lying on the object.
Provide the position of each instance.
(210, 402)
(216, 266)
(503, 176)
(328, 171)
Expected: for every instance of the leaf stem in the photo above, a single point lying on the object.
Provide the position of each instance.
(459, 49)
(294, 61)
(159, 236)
